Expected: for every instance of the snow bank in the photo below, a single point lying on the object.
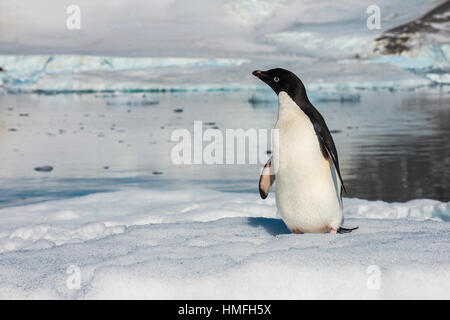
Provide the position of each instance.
(98, 215)
(415, 209)
(198, 243)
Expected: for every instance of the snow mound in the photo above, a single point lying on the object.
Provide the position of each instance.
(204, 244)
(239, 258)
(95, 216)
(421, 209)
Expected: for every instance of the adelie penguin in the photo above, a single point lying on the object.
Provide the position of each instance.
(304, 163)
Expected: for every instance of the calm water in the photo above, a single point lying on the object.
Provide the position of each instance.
(393, 146)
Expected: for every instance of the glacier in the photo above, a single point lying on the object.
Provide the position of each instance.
(52, 74)
(317, 39)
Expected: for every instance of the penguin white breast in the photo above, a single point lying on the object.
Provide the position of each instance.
(306, 193)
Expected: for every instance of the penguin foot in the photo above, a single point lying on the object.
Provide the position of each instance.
(333, 231)
(346, 230)
(296, 231)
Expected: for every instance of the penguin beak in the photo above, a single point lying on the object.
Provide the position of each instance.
(258, 73)
(261, 75)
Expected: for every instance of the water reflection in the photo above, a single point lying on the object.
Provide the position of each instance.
(407, 163)
(393, 146)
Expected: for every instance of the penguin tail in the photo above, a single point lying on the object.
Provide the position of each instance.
(342, 230)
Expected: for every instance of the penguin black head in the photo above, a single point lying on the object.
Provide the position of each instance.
(282, 80)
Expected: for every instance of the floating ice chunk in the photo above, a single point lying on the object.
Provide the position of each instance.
(439, 77)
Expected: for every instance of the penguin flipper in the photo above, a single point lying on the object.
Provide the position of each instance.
(266, 180)
(326, 142)
(346, 230)
(336, 181)
(335, 162)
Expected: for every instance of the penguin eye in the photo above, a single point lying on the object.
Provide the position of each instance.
(276, 79)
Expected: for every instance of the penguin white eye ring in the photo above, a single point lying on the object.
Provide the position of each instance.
(305, 161)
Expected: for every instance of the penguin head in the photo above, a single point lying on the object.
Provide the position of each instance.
(282, 80)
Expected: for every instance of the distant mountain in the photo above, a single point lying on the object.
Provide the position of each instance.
(432, 28)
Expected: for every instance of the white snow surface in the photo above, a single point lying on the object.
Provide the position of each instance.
(199, 243)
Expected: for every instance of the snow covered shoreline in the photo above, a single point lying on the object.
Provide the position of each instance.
(99, 215)
(207, 244)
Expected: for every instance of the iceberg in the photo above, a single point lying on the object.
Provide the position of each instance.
(82, 63)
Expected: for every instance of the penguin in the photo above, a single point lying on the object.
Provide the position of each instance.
(304, 162)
